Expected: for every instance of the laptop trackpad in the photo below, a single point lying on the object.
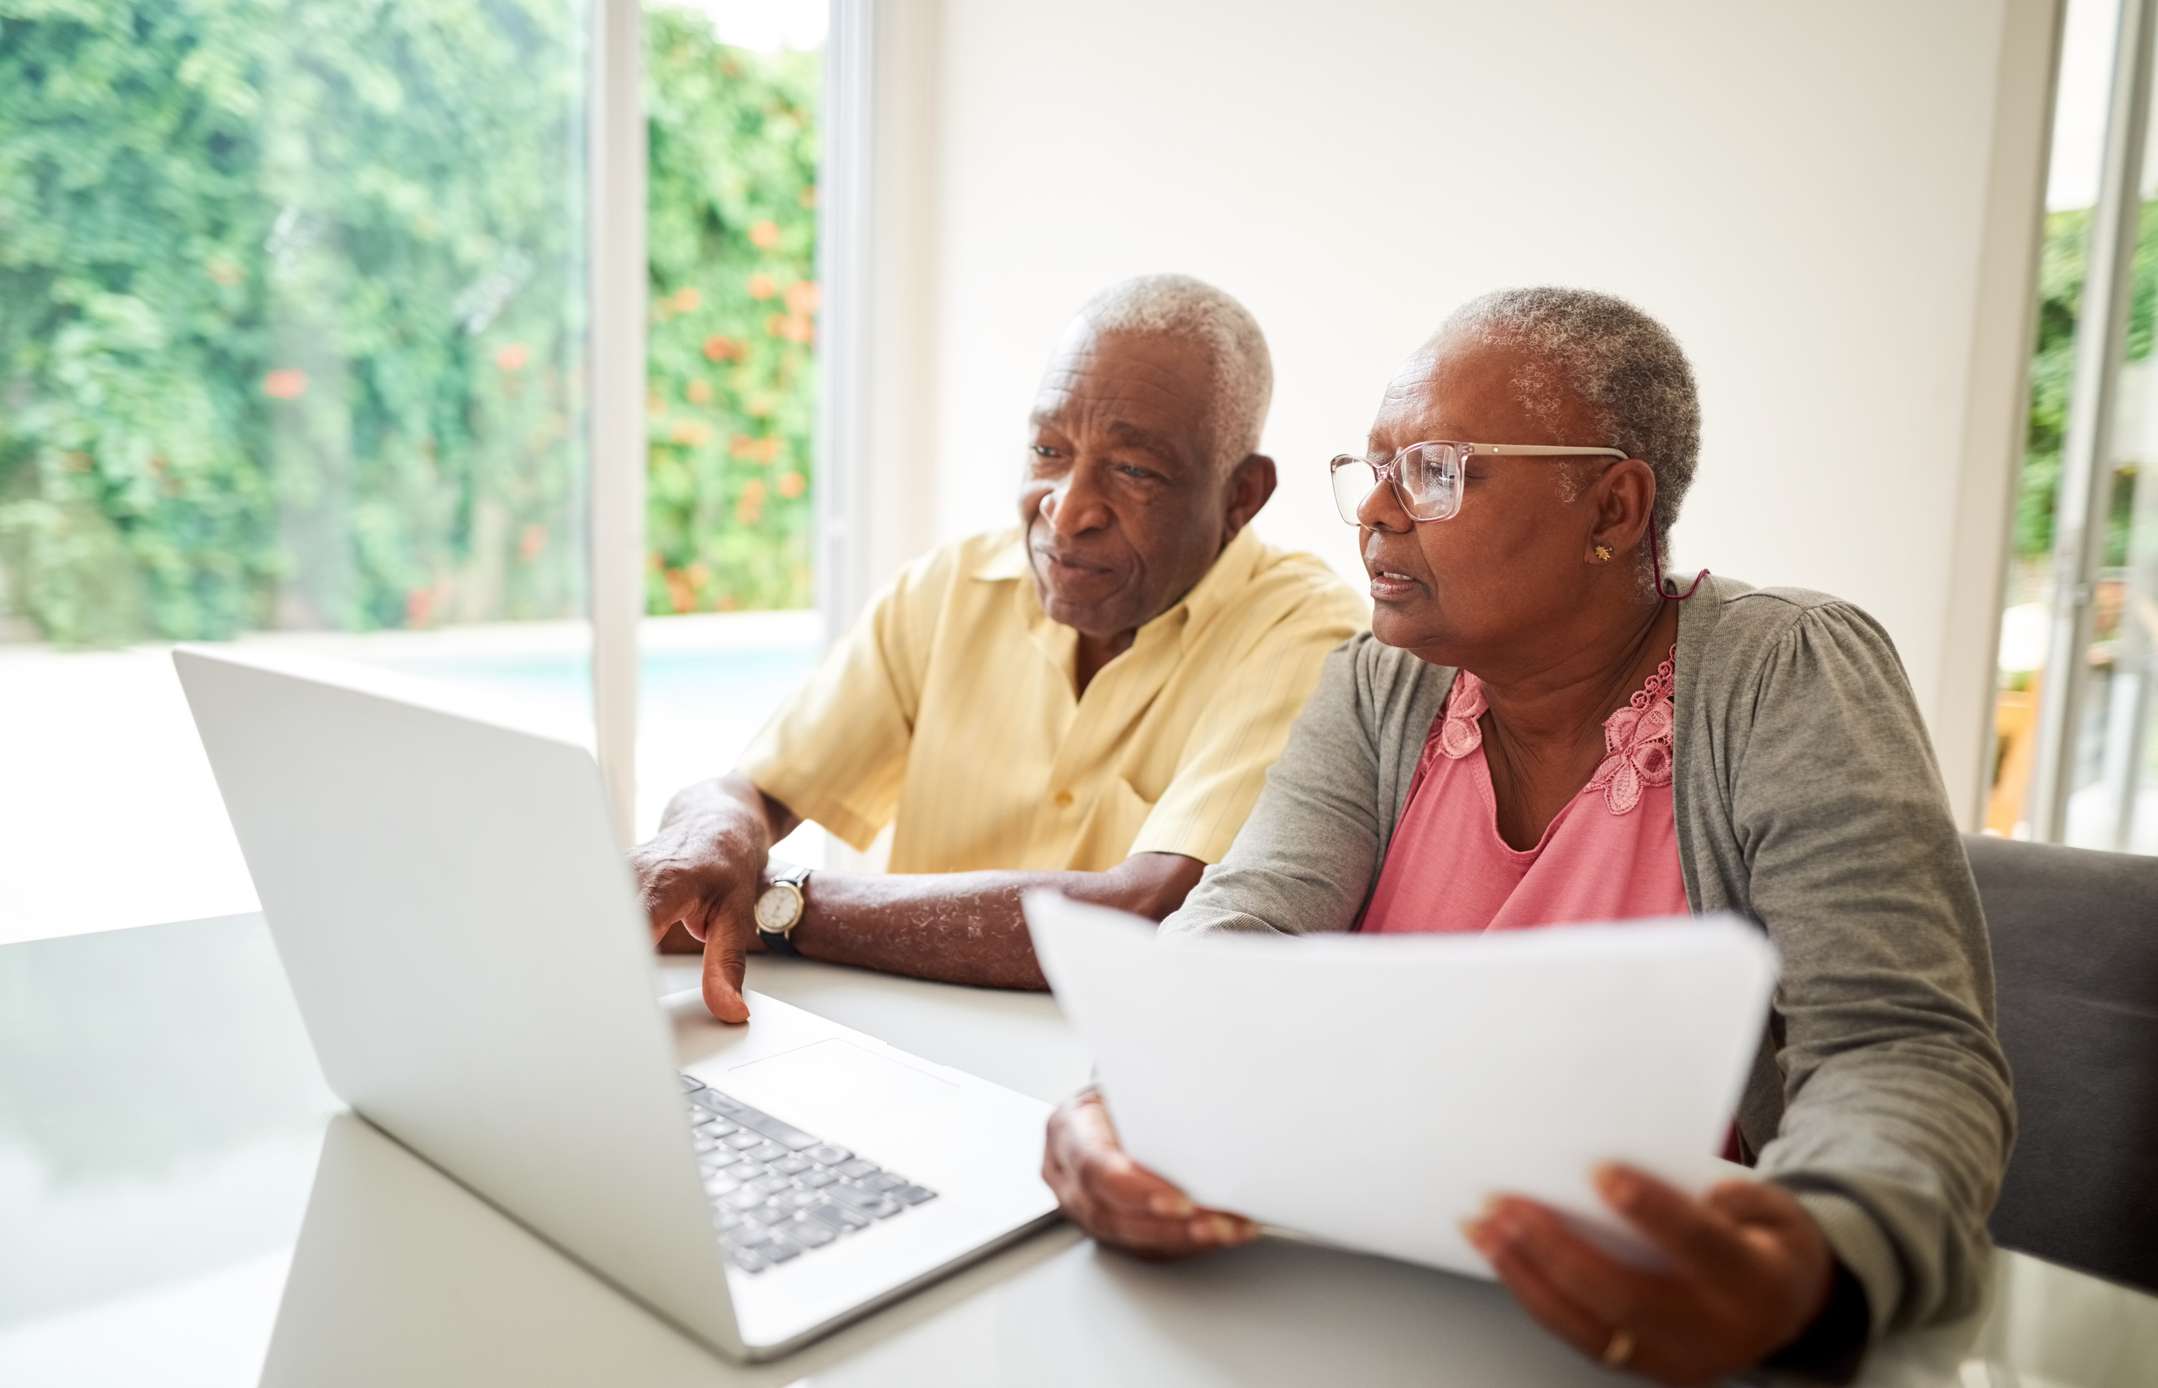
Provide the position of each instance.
(845, 1093)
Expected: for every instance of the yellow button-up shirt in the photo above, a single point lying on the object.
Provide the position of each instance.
(949, 710)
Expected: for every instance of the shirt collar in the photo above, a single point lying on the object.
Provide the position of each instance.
(1007, 562)
(1220, 585)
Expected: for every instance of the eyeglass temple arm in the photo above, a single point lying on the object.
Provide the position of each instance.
(1543, 450)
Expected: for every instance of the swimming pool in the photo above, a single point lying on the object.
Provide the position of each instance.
(673, 681)
(103, 739)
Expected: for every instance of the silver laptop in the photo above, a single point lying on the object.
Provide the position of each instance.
(463, 940)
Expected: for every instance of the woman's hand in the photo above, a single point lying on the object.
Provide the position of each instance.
(1119, 1202)
(1749, 1273)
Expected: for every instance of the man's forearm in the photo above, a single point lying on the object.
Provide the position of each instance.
(967, 927)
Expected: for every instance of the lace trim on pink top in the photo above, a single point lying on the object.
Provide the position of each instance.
(1637, 738)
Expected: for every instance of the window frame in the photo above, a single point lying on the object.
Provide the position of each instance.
(618, 283)
(2086, 454)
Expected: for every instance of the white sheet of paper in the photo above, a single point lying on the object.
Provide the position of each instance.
(1373, 1091)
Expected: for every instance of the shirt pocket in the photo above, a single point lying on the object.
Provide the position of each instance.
(1112, 821)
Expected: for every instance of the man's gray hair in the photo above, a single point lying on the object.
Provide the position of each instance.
(1601, 351)
(1179, 306)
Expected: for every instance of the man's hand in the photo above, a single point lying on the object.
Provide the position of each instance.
(1749, 1273)
(702, 871)
(1119, 1202)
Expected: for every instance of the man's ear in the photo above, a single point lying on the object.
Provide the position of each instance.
(1250, 484)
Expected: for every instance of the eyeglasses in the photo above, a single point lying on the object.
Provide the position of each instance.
(1427, 477)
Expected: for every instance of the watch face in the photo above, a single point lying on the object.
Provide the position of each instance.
(777, 907)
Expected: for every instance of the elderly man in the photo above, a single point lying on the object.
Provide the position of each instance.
(1088, 702)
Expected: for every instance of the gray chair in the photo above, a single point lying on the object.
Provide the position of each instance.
(2075, 961)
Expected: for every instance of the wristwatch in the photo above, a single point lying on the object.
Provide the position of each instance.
(779, 906)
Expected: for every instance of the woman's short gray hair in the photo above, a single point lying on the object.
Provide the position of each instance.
(1192, 310)
(1601, 351)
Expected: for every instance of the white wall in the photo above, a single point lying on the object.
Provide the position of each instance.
(1799, 190)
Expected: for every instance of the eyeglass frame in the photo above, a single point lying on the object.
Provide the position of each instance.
(1389, 471)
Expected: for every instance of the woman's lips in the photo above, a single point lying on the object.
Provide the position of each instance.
(1391, 585)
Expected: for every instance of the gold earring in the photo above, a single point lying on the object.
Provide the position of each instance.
(1603, 554)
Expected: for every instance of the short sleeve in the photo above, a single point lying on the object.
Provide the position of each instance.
(1223, 767)
(836, 752)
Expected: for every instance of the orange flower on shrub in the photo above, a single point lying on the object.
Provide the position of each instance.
(531, 542)
(419, 606)
(791, 484)
(698, 574)
(749, 512)
(758, 408)
(808, 196)
(512, 357)
(798, 328)
(686, 300)
(698, 393)
(753, 491)
(764, 235)
(691, 433)
(803, 296)
(719, 348)
(285, 383)
(741, 446)
(776, 324)
(762, 286)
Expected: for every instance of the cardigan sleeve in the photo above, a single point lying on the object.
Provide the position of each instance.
(1897, 1110)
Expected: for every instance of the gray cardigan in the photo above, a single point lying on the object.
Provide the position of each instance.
(1807, 800)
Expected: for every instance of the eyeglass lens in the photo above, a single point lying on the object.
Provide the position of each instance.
(1428, 475)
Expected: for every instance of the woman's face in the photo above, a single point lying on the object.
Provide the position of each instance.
(1508, 566)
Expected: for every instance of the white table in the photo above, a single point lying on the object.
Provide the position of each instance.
(183, 1202)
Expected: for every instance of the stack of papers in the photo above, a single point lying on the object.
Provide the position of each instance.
(1374, 1091)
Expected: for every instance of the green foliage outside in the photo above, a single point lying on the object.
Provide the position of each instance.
(291, 314)
(732, 236)
(2060, 301)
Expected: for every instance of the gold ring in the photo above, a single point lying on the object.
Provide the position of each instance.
(1620, 1349)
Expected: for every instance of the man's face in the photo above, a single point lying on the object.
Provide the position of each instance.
(1124, 503)
(1465, 590)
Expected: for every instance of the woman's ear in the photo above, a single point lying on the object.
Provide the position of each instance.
(1625, 505)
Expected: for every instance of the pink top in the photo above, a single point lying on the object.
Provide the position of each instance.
(1610, 854)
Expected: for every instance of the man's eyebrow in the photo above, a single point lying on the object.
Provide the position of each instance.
(1157, 444)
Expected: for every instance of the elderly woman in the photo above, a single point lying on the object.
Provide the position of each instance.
(1539, 728)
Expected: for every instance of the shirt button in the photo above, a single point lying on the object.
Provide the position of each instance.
(1063, 799)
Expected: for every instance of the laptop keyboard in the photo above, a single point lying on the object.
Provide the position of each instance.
(777, 1192)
